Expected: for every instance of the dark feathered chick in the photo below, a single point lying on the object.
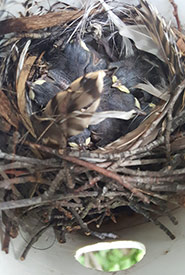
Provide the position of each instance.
(65, 66)
(115, 98)
(75, 60)
(42, 90)
(138, 69)
(112, 128)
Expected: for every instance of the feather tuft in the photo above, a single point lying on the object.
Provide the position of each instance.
(69, 112)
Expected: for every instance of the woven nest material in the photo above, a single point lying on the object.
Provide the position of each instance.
(130, 157)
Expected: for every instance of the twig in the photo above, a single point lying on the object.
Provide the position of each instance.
(38, 200)
(145, 213)
(18, 180)
(108, 174)
(33, 161)
(87, 209)
(68, 175)
(167, 134)
(178, 120)
(93, 167)
(79, 220)
(33, 240)
(142, 162)
(157, 174)
(121, 156)
(6, 241)
(49, 193)
(85, 228)
(91, 183)
(172, 102)
(175, 13)
(101, 218)
(15, 165)
(132, 154)
(11, 229)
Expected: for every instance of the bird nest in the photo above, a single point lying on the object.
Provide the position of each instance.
(92, 119)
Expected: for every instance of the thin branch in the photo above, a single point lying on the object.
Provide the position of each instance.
(175, 13)
(108, 174)
(38, 200)
(91, 166)
(47, 162)
(34, 240)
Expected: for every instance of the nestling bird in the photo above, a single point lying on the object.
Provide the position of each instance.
(70, 111)
(64, 66)
(115, 97)
(112, 128)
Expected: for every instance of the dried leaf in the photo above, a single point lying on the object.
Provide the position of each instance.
(132, 138)
(21, 93)
(22, 58)
(140, 36)
(100, 116)
(138, 33)
(181, 45)
(120, 25)
(164, 38)
(154, 36)
(6, 111)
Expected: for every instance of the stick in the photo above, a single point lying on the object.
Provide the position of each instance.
(108, 174)
(36, 22)
(34, 240)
